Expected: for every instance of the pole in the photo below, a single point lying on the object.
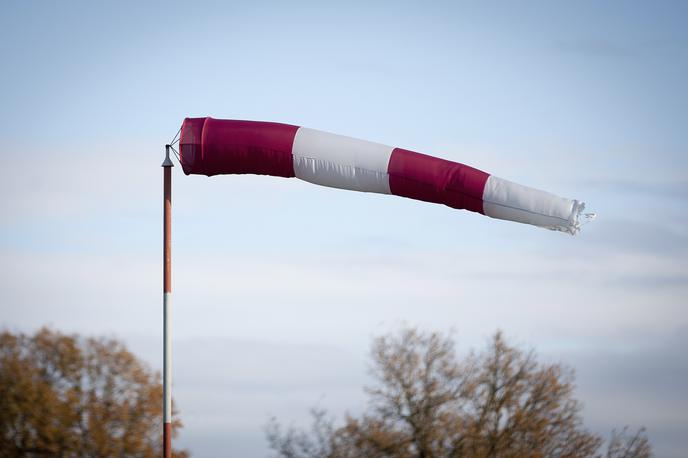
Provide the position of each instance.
(167, 305)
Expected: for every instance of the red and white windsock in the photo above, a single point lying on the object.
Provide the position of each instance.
(215, 146)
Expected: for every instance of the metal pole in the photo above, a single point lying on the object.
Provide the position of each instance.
(167, 305)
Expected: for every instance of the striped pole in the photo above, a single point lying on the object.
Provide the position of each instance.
(167, 304)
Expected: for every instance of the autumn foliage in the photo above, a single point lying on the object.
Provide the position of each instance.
(61, 395)
(427, 403)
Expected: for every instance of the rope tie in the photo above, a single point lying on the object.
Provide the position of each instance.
(175, 139)
(176, 154)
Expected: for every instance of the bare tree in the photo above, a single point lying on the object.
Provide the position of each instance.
(427, 403)
(626, 444)
(292, 443)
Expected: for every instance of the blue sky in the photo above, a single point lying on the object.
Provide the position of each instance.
(279, 284)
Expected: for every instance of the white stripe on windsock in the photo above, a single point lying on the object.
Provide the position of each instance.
(503, 199)
(341, 162)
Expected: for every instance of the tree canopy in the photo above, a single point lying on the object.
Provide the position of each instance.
(63, 395)
(427, 402)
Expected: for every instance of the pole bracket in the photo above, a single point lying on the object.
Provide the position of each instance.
(167, 162)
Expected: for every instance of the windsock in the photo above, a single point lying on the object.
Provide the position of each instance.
(216, 146)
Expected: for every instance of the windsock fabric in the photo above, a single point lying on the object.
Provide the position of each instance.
(215, 146)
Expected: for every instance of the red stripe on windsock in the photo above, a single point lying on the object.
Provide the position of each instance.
(215, 146)
(432, 179)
